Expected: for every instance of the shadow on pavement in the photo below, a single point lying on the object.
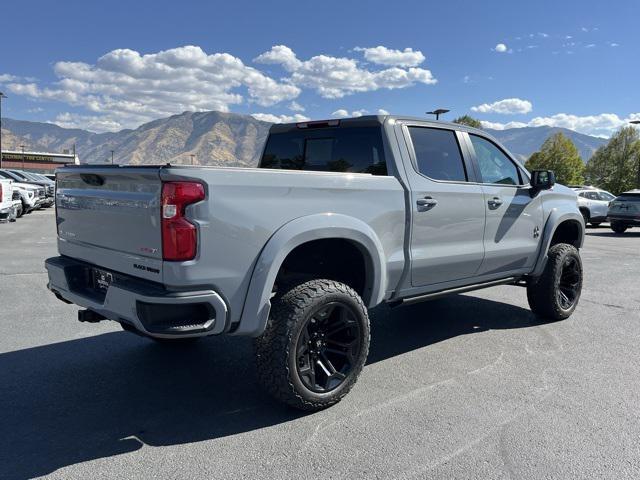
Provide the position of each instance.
(629, 233)
(109, 394)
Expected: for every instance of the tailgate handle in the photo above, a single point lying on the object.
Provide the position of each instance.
(92, 179)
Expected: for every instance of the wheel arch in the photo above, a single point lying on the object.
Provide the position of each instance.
(284, 241)
(561, 227)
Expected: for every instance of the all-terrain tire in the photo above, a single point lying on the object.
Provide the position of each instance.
(277, 351)
(563, 268)
(618, 227)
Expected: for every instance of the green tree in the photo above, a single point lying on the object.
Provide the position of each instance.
(558, 153)
(616, 165)
(468, 121)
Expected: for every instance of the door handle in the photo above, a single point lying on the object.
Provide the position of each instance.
(426, 202)
(495, 202)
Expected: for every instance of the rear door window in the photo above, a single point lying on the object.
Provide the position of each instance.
(438, 154)
(355, 150)
(593, 196)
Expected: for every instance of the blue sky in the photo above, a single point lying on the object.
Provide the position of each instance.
(111, 65)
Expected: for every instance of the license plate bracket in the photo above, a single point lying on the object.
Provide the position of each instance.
(101, 279)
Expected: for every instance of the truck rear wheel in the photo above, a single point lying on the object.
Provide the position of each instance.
(556, 293)
(315, 344)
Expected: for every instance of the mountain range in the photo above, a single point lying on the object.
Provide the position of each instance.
(213, 138)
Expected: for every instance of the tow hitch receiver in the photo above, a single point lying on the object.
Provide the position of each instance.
(89, 316)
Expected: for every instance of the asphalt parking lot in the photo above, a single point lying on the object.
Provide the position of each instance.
(471, 386)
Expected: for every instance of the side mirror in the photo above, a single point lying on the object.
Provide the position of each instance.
(542, 180)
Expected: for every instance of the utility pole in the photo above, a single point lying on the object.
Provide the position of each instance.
(2, 95)
(637, 122)
(111, 157)
(22, 147)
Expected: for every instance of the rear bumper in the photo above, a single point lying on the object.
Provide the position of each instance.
(626, 220)
(147, 306)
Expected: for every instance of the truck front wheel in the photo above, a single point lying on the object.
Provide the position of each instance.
(315, 344)
(556, 293)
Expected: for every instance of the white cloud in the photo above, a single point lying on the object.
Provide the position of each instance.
(341, 113)
(382, 111)
(500, 48)
(335, 77)
(296, 107)
(5, 77)
(502, 126)
(388, 56)
(268, 117)
(506, 106)
(125, 88)
(91, 122)
(591, 45)
(128, 88)
(601, 125)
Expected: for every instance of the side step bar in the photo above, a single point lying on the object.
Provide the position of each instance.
(451, 291)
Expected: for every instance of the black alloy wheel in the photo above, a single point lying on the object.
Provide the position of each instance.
(570, 283)
(328, 347)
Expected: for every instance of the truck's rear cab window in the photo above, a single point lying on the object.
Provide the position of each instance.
(353, 150)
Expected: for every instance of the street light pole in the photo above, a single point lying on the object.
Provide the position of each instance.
(111, 157)
(2, 95)
(438, 112)
(22, 147)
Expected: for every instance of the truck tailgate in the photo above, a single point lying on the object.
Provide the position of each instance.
(110, 217)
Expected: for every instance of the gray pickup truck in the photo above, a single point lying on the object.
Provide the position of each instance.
(340, 216)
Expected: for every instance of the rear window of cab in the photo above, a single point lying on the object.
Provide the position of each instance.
(350, 150)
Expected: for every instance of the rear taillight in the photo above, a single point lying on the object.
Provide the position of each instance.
(0, 192)
(179, 236)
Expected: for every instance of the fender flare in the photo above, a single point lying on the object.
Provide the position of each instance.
(556, 217)
(295, 233)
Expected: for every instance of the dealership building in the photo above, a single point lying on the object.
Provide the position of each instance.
(40, 162)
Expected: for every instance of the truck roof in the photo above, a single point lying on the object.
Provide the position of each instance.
(367, 121)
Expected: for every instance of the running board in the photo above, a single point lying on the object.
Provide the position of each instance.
(451, 291)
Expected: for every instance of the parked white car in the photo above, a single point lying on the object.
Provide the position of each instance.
(593, 204)
(7, 210)
(28, 196)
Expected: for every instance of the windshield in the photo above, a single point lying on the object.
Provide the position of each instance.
(21, 175)
(31, 176)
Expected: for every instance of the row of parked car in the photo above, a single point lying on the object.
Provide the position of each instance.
(597, 206)
(23, 192)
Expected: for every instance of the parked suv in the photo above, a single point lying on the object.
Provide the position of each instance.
(593, 204)
(624, 211)
(340, 216)
(37, 179)
(44, 200)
